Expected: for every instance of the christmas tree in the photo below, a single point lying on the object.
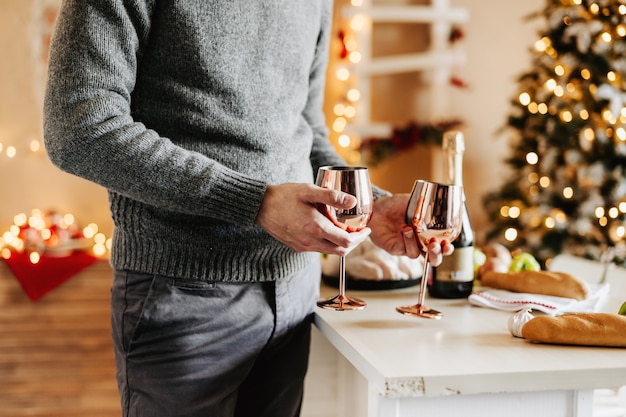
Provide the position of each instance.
(567, 125)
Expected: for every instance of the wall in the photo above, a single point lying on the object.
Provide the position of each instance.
(29, 180)
(497, 40)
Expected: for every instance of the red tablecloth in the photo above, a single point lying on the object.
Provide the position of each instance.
(39, 279)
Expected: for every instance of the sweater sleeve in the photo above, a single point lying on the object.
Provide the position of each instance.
(90, 132)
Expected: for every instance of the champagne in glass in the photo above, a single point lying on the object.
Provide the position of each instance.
(434, 212)
(354, 181)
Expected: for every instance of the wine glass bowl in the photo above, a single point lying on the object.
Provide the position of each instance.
(435, 213)
(354, 181)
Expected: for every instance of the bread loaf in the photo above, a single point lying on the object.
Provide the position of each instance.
(585, 329)
(559, 284)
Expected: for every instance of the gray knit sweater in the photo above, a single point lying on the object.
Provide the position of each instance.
(185, 111)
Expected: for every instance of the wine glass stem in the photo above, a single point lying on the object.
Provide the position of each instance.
(342, 277)
(424, 281)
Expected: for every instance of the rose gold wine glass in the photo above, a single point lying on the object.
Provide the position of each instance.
(434, 212)
(355, 181)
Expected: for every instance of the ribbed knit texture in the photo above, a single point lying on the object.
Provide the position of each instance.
(185, 111)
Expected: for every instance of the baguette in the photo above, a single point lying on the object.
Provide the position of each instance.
(584, 329)
(559, 284)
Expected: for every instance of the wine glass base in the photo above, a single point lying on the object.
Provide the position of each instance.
(341, 303)
(418, 310)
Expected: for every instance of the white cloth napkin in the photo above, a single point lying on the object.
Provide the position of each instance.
(515, 301)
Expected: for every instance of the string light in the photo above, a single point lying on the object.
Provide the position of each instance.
(39, 233)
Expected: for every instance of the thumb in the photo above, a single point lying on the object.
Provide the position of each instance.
(335, 198)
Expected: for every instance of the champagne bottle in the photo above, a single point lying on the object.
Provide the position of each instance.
(454, 277)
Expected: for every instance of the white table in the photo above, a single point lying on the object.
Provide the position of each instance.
(466, 364)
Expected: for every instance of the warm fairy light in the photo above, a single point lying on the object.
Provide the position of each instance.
(621, 30)
(353, 94)
(339, 109)
(542, 108)
(622, 9)
(357, 22)
(533, 191)
(20, 219)
(550, 223)
(550, 84)
(620, 132)
(11, 151)
(568, 192)
(559, 70)
(566, 116)
(622, 207)
(68, 219)
(34, 257)
(558, 91)
(613, 212)
(606, 37)
(533, 178)
(5, 253)
(344, 141)
(350, 112)
(339, 125)
(8, 237)
(355, 57)
(594, 8)
(584, 114)
(46, 234)
(608, 116)
(504, 211)
(35, 145)
(90, 230)
(603, 221)
(524, 99)
(611, 76)
(560, 217)
(533, 108)
(532, 158)
(357, 3)
(99, 249)
(343, 74)
(542, 44)
(599, 212)
(585, 73)
(577, 2)
(544, 182)
(510, 234)
(350, 43)
(514, 212)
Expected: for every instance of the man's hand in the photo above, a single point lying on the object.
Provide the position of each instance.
(289, 213)
(390, 231)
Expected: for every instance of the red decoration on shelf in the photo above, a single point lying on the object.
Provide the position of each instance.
(374, 149)
(344, 51)
(50, 272)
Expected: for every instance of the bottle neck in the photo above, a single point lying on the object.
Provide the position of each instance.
(453, 167)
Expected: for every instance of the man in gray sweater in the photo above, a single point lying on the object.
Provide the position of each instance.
(203, 120)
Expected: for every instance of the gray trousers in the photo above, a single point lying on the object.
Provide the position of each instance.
(187, 348)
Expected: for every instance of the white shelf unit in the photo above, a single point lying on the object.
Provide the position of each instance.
(437, 62)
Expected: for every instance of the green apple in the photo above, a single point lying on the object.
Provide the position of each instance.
(622, 309)
(524, 262)
(479, 260)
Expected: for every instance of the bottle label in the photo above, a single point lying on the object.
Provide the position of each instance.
(458, 267)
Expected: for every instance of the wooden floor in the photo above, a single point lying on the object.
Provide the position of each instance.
(56, 355)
